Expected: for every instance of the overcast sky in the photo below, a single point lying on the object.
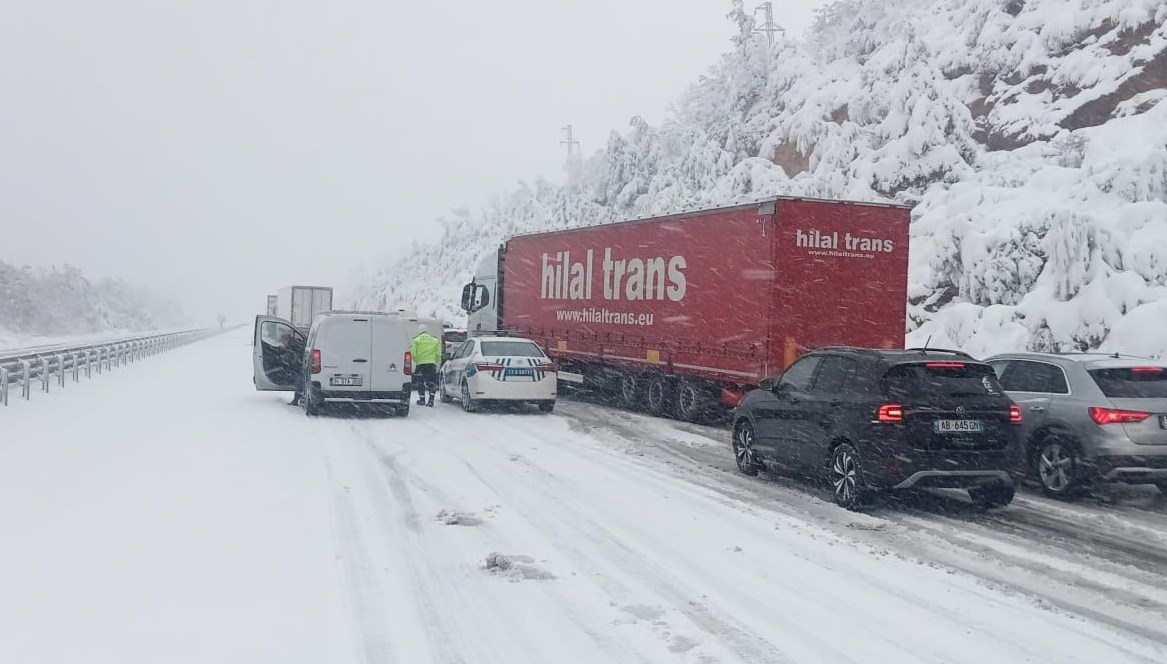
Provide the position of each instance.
(215, 150)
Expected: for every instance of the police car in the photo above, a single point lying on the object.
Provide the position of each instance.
(499, 368)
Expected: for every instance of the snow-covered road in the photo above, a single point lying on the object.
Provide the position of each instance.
(166, 512)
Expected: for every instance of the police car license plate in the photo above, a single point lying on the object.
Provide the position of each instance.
(524, 373)
(346, 381)
(958, 426)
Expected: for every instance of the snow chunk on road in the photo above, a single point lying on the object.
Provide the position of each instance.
(516, 567)
(456, 518)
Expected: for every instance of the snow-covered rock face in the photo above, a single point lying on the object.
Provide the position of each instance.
(1031, 135)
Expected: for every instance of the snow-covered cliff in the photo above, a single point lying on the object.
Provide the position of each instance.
(1031, 136)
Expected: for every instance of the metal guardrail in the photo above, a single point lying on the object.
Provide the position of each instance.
(21, 369)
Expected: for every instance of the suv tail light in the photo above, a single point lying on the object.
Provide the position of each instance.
(1116, 416)
(407, 369)
(891, 412)
(314, 366)
(1015, 414)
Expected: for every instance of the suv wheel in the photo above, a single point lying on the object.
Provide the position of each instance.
(1056, 465)
(748, 460)
(847, 483)
(989, 497)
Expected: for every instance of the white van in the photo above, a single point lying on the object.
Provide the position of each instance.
(355, 357)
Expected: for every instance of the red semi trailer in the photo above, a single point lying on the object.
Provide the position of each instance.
(683, 312)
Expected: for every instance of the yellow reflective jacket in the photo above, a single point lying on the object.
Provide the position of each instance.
(426, 349)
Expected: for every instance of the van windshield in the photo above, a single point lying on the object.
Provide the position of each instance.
(940, 379)
(510, 349)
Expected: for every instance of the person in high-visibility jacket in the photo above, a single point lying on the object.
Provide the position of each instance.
(427, 355)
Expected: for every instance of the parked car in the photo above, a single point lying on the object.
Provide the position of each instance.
(1089, 417)
(497, 368)
(352, 357)
(452, 338)
(873, 420)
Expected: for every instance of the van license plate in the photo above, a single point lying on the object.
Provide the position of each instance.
(354, 381)
(1163, 421)
(957, 426)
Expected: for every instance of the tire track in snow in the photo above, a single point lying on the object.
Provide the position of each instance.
(367, 614)
(714, 472)
(617, 651)
(396, 508)
(808, 552)
(568, 524)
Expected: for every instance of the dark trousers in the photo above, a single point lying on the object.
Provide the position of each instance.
(425, 379)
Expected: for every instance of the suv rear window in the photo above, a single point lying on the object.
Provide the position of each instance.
(1132, 383)
(940, 379)
(510, 349)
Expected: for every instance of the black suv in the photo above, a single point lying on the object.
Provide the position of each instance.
(870, 420)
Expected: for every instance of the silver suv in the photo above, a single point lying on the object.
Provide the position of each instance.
(1089, 417)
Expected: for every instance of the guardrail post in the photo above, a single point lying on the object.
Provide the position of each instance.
(26, 379)
(61, 369)
(46, 373)
(76, 367)
(4, 386)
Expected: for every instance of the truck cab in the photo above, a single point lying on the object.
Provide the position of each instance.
(481, 297)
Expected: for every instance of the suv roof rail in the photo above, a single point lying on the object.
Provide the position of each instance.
(1097, 355)
(854, 349)
(941, 350)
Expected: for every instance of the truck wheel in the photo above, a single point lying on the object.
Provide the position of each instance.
(692, 401)
(547, 406)
(631, 390)
(657, 395)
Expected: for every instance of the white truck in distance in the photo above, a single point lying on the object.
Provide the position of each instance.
(300, 304)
